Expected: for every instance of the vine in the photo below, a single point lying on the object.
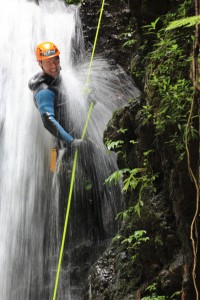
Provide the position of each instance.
(187, 131)
(196, 179)
(191, 21)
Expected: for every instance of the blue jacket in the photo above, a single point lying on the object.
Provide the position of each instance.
(46, 96)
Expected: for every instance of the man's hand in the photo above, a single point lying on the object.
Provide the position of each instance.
(76, 143)
(91, 98)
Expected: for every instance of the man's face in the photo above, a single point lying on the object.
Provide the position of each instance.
(51, 66)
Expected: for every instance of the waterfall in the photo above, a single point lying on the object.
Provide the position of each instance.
(32, 199)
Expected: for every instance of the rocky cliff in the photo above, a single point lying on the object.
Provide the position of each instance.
(152, 255)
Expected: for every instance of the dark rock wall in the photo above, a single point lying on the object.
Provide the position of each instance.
(167, 257)
(117, 25)
(121, 22)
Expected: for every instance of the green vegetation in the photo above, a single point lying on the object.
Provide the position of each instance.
(130, 36)
(133, 242)
(186, 22)
(140, 178)
(166, 75)
(168, 87)
(151, 289)
(73, 1)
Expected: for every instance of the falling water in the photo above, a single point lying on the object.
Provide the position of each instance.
(32, 200)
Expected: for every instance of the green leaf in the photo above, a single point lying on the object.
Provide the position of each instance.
(122, 130)
(176, 294)
(117, 238)
(186, 22)
(114, 144)
(133, 258)
(129, 43)
(133, 142)
(116, 176)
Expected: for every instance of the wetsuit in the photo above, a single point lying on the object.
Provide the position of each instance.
(47, 98)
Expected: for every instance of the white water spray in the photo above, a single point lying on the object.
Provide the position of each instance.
(27, 205)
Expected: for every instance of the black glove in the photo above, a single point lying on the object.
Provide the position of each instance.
(76, 143)
(91, 98)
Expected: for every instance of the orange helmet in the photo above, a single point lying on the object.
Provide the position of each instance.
(46, 50)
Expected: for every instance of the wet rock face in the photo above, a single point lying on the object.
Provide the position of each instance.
(167, 214)
(166, 258)
(119, 37)
(102, 277)
(116, 275)
(147, 11)
(117, 27)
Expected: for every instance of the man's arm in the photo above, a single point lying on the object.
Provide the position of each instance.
(45, 102)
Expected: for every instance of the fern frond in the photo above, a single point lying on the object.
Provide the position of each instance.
(186, 22)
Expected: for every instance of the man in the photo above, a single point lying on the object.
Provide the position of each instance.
(47, 93)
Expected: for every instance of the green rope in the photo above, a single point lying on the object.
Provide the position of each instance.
(75, 163)
(65, 226)
(95, 41)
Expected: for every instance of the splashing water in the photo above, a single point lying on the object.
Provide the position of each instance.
(31, 211)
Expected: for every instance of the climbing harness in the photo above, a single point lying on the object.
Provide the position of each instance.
(75, 160)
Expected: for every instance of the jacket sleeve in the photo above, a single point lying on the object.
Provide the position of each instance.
(45, 99)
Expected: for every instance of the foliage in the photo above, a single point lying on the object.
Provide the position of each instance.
(185, 22)
(130, 36)
(154, 296)
(152, 289)
(168, 86)
(141, 178)
(116, 176)
(166, 64)
(132, 242)
(111, 145)
(73, 1)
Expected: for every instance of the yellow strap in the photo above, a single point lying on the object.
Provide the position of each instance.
(53, 157)
(75, 162)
